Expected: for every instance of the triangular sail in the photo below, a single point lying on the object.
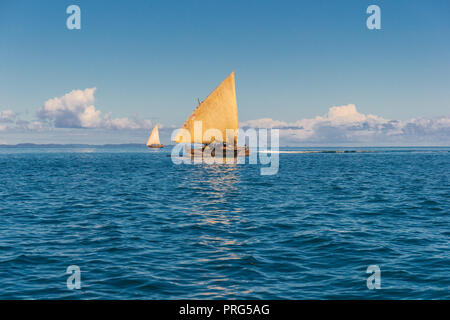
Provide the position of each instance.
(154, 137)
(217, 111)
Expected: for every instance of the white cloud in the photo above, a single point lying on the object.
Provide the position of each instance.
(340, 125)
(264, 123)
(76, 109)
(344, 124)
(7, 116)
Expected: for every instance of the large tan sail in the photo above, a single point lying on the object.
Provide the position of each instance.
(154, 137)
(217, 111)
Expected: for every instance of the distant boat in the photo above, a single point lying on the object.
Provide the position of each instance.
(218, 111)
(153, 140)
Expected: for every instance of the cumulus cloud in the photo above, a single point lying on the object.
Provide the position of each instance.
(76, 109)
(344, 124)
(340, 125)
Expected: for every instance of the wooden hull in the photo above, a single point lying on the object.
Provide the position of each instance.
(156, 146)
(234, 153)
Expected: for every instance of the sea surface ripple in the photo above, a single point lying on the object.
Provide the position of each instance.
(141, 227)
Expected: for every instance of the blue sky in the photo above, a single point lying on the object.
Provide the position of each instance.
(293, 59)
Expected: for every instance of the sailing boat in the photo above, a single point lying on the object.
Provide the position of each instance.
(218, 112)
(153, 140)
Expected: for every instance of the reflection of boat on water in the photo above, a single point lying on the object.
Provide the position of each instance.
(153, 140)
(214, 125)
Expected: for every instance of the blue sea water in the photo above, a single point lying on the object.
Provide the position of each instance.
(141, 227)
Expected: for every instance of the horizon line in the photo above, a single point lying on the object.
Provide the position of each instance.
(31, 144)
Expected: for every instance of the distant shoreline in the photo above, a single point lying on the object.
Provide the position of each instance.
(127, 145)
(55, 145)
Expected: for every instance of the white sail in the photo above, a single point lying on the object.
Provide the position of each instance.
(154, 137)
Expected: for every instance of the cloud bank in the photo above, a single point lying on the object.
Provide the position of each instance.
(76, 109)
(345, 125)
(341, 125)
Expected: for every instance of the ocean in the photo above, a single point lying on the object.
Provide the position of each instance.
(140, 227)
